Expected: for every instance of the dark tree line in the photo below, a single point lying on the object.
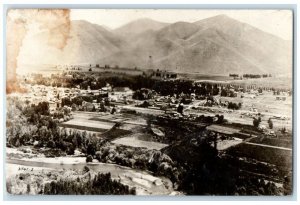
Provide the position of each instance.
(135, 83)
(102, 184)
(250, 75)
(256, 75)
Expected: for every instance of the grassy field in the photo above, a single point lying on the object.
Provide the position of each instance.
(114, 133)
(90, 123)
(275, 82)
(281, 158)
(82, 127)
(272, 141)
(134, 140)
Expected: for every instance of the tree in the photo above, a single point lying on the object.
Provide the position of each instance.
(113, 110)
(223, 93)
(70, 149)
(51, 144)
(66, 101)
(270, 122)
(180, 108)
(283, 130)
(220, 118)
(216, 90)
(256, 122)
(91, 149)
(89, 158)
(234, 106)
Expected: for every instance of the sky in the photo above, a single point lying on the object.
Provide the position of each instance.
(276, 22)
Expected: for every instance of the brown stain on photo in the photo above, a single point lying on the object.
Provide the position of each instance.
(56, 21)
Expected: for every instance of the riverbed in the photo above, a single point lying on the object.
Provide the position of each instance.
(144, 182)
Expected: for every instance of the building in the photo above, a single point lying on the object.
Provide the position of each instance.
(107, 88)
(120, 94)
(158, 74)
(122, 91)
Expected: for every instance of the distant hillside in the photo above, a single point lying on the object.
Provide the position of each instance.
(86, 44)
(216, 45)
(139, 26)
(262, 50)
(89, 42)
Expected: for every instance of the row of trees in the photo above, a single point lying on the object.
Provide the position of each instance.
(256, 75)
(250, 75)
(135, 83)
(101, 184)
(138, 158)
(143, 94)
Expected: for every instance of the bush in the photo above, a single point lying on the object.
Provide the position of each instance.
(270, 122)
(86, 169)
(283, 130)
(234, 106)
(89, 158)
(220, 119)
(256, 122)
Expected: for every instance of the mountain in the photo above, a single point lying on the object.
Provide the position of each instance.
(139, 26)
(263, 51)
(106, 28)
(86, 43)
(216, 45)
(159, 44)
(89, 42)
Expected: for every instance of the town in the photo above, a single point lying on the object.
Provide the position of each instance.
(156, 131)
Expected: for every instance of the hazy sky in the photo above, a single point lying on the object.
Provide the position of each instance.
(277, 22)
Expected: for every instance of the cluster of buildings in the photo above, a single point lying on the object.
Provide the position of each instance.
(54, 95)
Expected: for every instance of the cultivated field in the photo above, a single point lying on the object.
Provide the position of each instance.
(134, 140)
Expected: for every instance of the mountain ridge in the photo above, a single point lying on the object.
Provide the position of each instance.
(215, 45)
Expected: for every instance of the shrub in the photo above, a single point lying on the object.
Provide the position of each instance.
(89, 158)
(270, 122)
(86, 169)
(256, 122)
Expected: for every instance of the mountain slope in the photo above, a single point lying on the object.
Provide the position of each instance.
(158, 44)
(139, 26)
(217, 45)
(269, 52)
(86, 43)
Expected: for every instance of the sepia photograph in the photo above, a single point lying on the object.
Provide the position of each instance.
(168, 102)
